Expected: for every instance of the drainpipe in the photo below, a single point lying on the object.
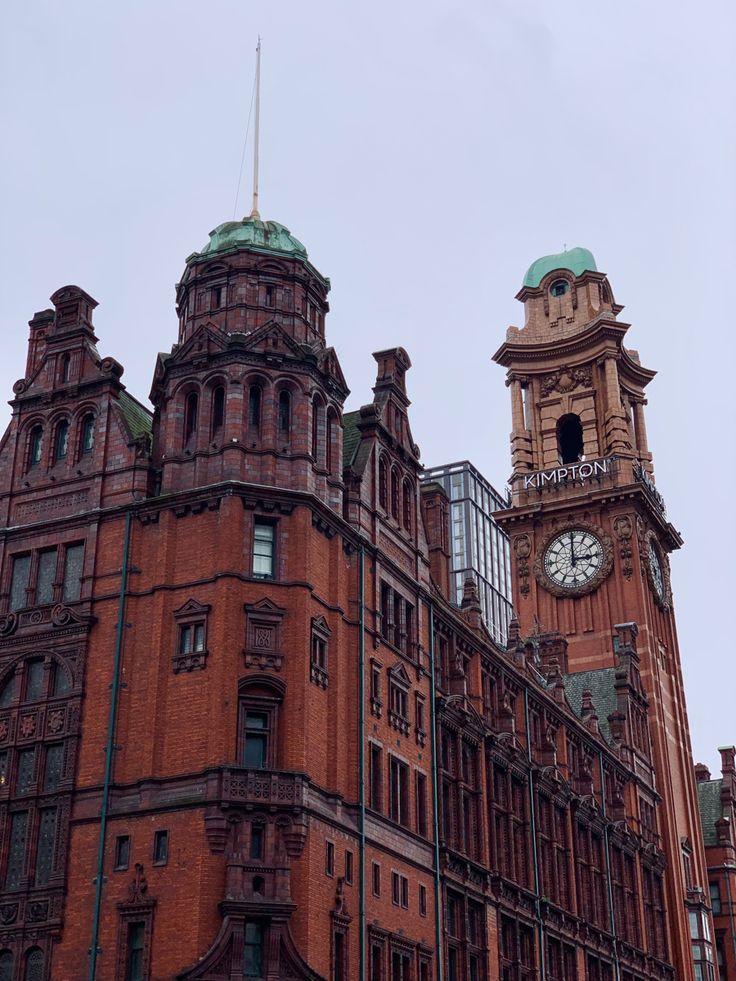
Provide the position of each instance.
(435, 803)
(609, 882)
(533, 828)
(361, 728)
(110, 749)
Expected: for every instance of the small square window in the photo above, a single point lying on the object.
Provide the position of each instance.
(160, 847)
(122, 852)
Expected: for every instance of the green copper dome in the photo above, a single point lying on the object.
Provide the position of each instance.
(252, 233)
(576, 260)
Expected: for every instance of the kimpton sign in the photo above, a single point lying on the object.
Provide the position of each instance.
(571, 471)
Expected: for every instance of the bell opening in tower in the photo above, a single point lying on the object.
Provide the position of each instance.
(570, 439)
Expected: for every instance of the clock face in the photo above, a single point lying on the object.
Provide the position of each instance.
(655, 567)
(573, 558)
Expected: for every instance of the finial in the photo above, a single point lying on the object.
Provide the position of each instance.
(254, 211)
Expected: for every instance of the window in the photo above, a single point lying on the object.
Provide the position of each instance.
(256, 733)
(400, 966)
(66, 361)
(16, 850)
(715, 898)
(191, 410)
(570, 439)
(422, 900)
(559, 287)
(254, 407)
(88, 434)
(395, 494)
(376, 702)
(34, 965)
(339, 955)
(122, 852)
(348, 867)
(218, 410)
(34, 680)
(329, 438)
(398, 713)
(257, 834)
(376, 962)
(61, 440)
(136, 946)
(383, 484)
(376, 775)
(160, 847)
(72, 584)
(263, 550)
(329, 858)
(420, 731)
(376, 879)
(25, 781)
(19, 582)
(6, 965)
(46, 842)
(216, 297)
(46, 574)
(318, 652)
(8, 694)
(284, 413)
(407, 505)
(316, 412)
(399, 792)
(269, 294)
(421, 795)
(253, 950)
(35, 445)
(395, 889)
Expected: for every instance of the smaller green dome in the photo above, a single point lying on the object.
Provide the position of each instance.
(252, 233)
(576, 260)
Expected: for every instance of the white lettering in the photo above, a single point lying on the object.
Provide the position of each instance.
(586, 470)
(601, 466)
(530, 481)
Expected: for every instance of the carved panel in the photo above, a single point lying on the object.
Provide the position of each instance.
(263, 635)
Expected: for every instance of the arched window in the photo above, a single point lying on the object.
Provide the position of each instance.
(34, 965)
(383, 484)
(570, 439)
(330, 438)
(88, 434)
(395, 494)
(559, 287)
(34, 677)
(66, 364)
(218, 410)
(61, 442)
(259, 703)
(406, 505)
(315, 427)
(191, 408)
(254, 407)
(6, 965)
(284, 413)
(35, 443)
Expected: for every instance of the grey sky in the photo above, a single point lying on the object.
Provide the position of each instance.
(425, 153)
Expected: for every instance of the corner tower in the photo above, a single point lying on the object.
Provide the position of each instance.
(590, 537)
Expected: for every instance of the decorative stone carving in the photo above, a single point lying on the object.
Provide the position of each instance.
(263, 635)
(623, 530)
(565, 380)
(522, 551)
(592, 584)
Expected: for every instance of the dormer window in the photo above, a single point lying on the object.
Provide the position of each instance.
(559, 287)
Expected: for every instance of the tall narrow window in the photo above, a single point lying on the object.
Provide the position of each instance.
(122, 852)
(66, 364)
(35, 443)
(160, 847)
(25, 780)
(253, 951)
(7, 695)
(399, 792)
(376, 776)
(45, 849)
(218, 410)
(87, 441)
(53, 767)
(136, 945)
(254, 407)
(256, 733)
(284, 413)
(216, 297)
(34, 672)
(191, 409)
(6, 966)
(329, 435)
(395, 494)
(570, 438)
(406, 505)
(269, 296)
(315, 429)
(72, 573)
(16, 849)
(19, 582)
(383, 484)
(263, 550)
(34, 965)
(61, 442)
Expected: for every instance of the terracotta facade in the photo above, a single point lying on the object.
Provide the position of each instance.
(223, 752)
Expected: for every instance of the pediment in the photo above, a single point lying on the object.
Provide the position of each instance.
(192, 608)
(330, 366)
(264, 607)
(399, 675)
(207, 339)
(271, 338)
(320, 624)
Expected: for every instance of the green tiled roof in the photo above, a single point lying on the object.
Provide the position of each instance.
(709, 799)
(350, 437)
(602, 690)
(576, 260)
(137, 417)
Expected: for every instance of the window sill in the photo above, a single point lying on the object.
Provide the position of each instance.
(191, 661)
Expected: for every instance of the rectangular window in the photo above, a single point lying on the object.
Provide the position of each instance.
(136, 944)
(54, 766)
(16, 850)
(376, 878)
(160, 847)
(191, 638)
(339, 964)
(255, 750)
(404, 891)
(376, 962)
(35, 677)
(46, 577)
(19, 582)
(399, 793)
(422, 900)
(25, 780)
(72, 573)
(263, 542)
(715, 898)
(349, 868)
(419, 719)
(376, 801)
(256, 841)
(46, 840)
(421, 794)
(329, 858)
(122, 853)
(395, 889)
(253, 951)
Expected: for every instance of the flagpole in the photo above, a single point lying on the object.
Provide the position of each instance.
(254, 211)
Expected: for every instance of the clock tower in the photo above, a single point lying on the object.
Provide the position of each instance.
(590, 536)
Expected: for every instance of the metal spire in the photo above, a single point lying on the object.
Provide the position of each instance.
(254, 211)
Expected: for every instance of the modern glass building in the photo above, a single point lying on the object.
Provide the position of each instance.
(478, 546)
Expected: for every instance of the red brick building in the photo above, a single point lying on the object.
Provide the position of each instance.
(222, 752)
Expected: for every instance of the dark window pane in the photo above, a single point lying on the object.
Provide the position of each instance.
(6, 966)
(34, 966)
(34, 680)
(24, 782)
(62, 440)
(122, 852)
(136, 940)
(256, 842)
(45, 851)
(253, 959)
(254, 406)
(185, 640)
(88, 434)
(218, 409)
(160, 847)
(17, 849)
(46, 577)
(199, 637)
(61, 683)
(19, 584)
(7, 696)
(255, 751)
(34, 449)
(54, 763)
(73, 573)
(3, 773)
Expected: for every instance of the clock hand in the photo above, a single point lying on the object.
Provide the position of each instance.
(572, 551)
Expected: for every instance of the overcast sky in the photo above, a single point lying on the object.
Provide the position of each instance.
(425, 153)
